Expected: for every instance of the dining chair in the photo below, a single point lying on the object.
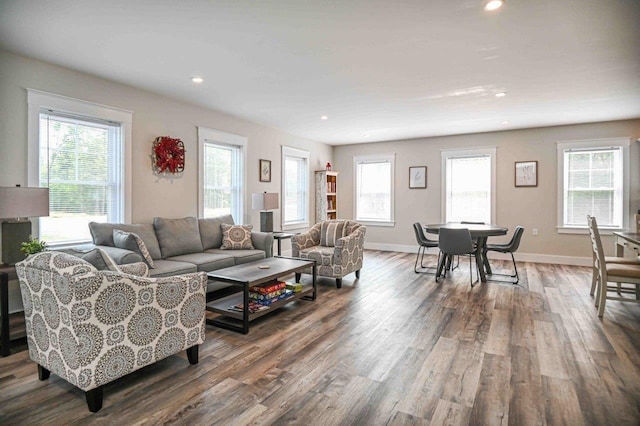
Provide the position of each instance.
(466, 222)
(510, 248)
(423, 244)
(454, 242)
(611, 272)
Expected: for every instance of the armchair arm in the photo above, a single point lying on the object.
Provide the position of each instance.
(139, 269)
(263, 241)
(349, 250)
(305, 240)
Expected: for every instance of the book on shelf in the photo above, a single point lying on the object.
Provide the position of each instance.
(267, 302)
(266, 289)
(295, 287)
(253, 307)
(260, 296)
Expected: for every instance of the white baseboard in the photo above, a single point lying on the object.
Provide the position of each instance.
(520, 257)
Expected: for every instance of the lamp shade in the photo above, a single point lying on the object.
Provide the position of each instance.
(17, 201)
(264, 201)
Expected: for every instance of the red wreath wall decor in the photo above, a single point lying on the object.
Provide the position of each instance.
(168, 155)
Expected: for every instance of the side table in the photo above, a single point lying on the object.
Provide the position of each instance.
(279, 236)
(6, 272)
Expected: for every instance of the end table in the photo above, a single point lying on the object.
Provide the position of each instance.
(6, 272)
(279, 236)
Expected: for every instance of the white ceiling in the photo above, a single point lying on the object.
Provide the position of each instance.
(379, 69)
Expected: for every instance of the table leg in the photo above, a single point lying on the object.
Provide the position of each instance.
(279, 246)
(4, 311)
(481, 260)
(245, 311)
(315, 274)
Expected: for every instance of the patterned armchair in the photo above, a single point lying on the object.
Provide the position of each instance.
(337, 246)
(91, 327)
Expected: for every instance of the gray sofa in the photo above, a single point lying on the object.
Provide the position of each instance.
(181, 246)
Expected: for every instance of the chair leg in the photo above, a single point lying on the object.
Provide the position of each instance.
(192, 354)
(515, 268)
(339, 282)
(43, 373)
(415, 266)
(94, 399)
(603, 297)
(358, 274)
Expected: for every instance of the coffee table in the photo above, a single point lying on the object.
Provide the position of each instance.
(247, 275)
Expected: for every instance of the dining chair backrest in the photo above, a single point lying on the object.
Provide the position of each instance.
(515, 240)
(421, 238)
(596, 242)
(455, 241)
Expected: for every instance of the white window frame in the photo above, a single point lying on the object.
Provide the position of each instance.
(622, 142)
(375, 158)
(218, 137)
(288, 151)
(461, 153)
(38, 100)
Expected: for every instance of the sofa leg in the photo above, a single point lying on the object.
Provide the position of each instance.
(339, 282)
(43, 373)
(94, 399)
(298, 275)
(192, 354)
(358, 273)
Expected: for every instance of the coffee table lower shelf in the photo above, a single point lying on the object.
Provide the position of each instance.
(221, 306)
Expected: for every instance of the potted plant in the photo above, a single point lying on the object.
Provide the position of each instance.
(33, 246)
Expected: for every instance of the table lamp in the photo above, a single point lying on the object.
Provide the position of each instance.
(265, 201)
(16, 205)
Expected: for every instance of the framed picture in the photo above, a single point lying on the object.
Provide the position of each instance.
(265, 171)
(526, 173)
(418, 177)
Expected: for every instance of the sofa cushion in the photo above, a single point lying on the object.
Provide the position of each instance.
(167, 268)
(236, 237)
(95, 256)
(240, 256)
(331, 231)
(211, 231)
(177, 236)
(206, 261)
(131, 241)
(102, 234)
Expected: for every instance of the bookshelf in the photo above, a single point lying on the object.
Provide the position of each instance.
(326, 195)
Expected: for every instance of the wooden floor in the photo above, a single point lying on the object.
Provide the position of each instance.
(391, 348)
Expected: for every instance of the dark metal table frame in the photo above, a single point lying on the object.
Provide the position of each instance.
(479, 233)
(279, 236)
(267, 276)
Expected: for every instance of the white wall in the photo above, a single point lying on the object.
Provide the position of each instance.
(530, 207)
(153, 116)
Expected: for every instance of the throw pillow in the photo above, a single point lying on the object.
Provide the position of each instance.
(131, 241)
(330, 232)
(236, 237)
(97, 257)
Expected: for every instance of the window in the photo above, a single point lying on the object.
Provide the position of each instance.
(295, 188)
(78, 152)
(374, 186)
(468, 192)
(593, 180)
(221, 174)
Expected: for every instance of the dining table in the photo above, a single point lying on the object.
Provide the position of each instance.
(479, 233)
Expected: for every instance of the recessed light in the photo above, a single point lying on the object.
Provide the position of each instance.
(493, 4)
(501, 94)
(197, 79)
(324, 117)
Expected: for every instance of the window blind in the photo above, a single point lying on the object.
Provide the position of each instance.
(221, 180)
(295, 189)
(593, 186)
(468, 189)
(373, 190)
(80, 162)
